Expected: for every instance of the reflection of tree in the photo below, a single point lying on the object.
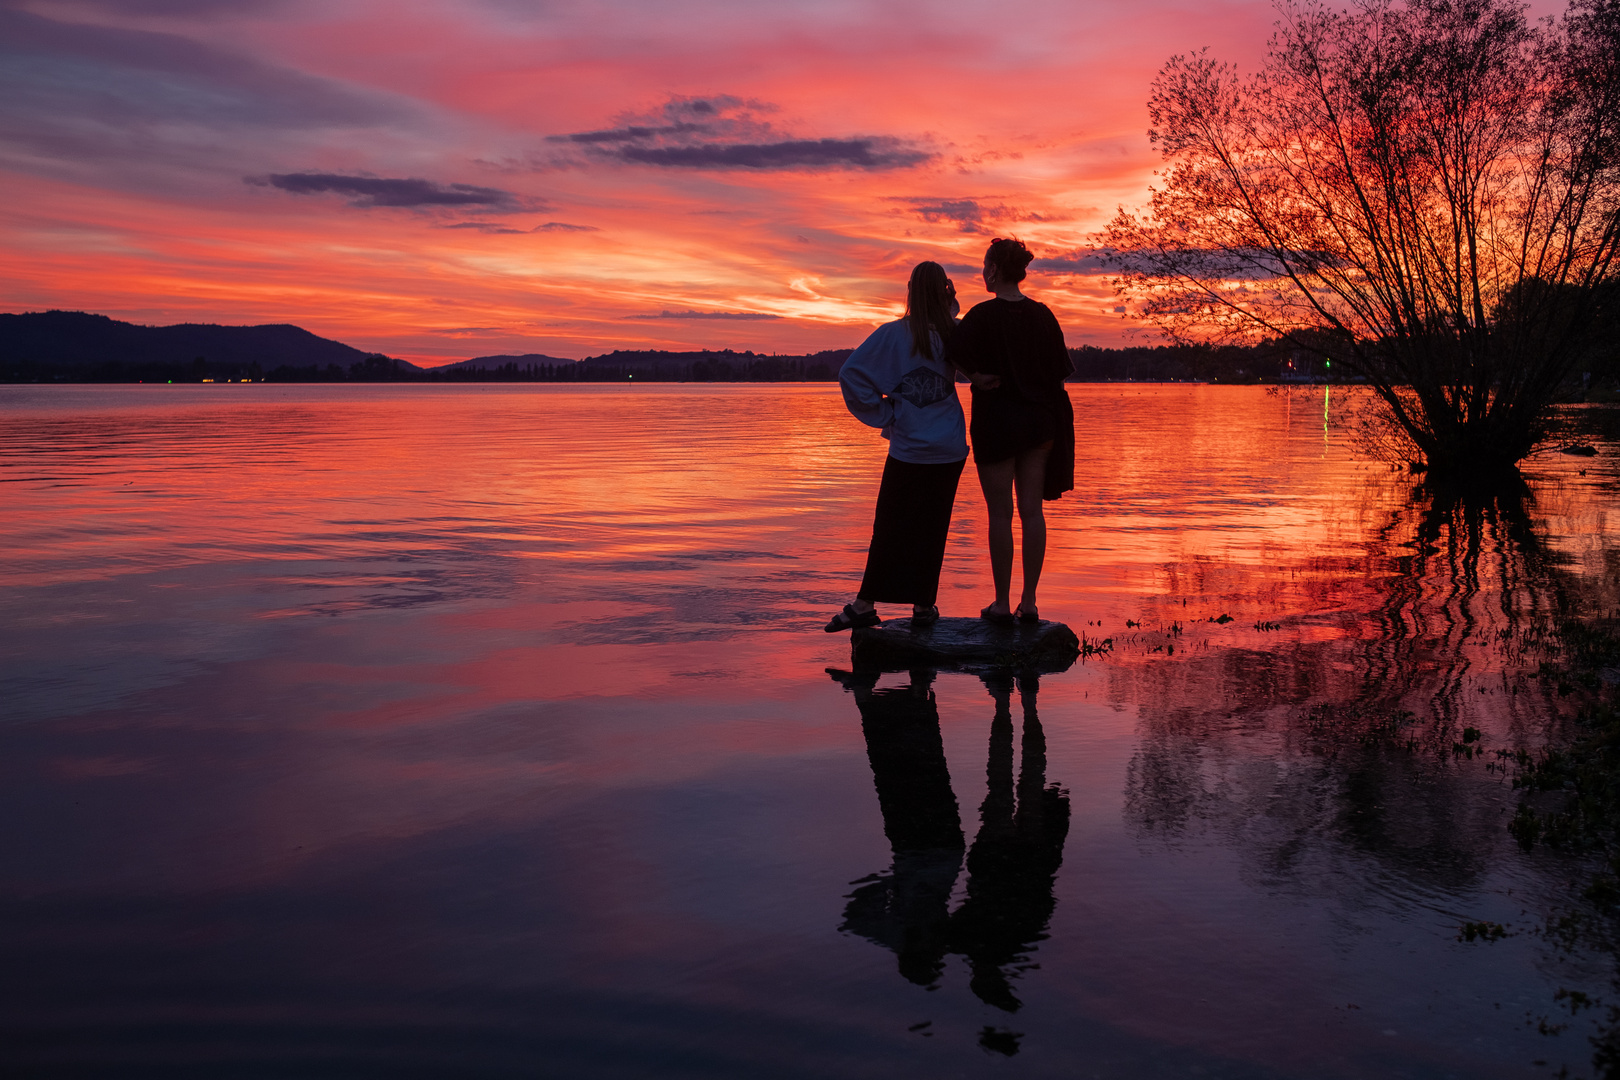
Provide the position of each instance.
(1474, 579)
(1012, 865)
(1310, 757)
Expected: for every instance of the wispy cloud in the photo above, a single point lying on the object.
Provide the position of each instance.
(629, 134)
(725, 132)
(369, 191)
(743, 315)
(878, 152)
(126, 107)
(182, 7)
(507, 230)
(721, 116)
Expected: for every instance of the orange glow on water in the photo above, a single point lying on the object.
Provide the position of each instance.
(315, 693)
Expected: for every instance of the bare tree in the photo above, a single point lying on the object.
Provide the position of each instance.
(1425, 191)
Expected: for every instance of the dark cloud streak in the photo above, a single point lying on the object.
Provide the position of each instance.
(507, 230)
(629, 134)
(725, 132)
(961, 211)
(370, 191)
(872, 153)
(1092, 262)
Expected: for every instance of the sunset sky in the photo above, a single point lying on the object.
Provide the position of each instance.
(438, 179)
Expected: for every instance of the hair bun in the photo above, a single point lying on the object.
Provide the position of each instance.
(1009, 256)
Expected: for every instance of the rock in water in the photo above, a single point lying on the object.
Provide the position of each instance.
(965, 645)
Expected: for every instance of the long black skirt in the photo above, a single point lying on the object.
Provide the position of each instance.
(909, 532)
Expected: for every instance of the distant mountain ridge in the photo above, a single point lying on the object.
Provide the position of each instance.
(55, 340)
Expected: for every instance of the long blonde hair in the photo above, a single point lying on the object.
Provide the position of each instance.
(928, 306)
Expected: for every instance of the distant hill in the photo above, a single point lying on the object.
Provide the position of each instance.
(50, 344)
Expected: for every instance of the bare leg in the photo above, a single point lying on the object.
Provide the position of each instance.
(996, 481)
(1030, 479)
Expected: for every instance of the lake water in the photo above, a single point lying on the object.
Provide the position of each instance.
(487, 731)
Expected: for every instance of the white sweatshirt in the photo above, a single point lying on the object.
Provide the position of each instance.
(888, 385)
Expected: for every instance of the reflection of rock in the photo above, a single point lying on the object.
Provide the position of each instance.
(964, 645)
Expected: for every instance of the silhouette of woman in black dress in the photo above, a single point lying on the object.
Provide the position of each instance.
(1023, 422)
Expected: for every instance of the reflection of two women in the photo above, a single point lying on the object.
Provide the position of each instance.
(1014, 858)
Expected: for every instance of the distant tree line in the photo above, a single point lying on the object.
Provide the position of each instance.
(658, 366)
(1271, 361)
(1268, 362)
(69, 346)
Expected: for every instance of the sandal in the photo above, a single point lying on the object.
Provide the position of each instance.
(1030, 615)
(1000, 618)
(927, 617)
(850, 619)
